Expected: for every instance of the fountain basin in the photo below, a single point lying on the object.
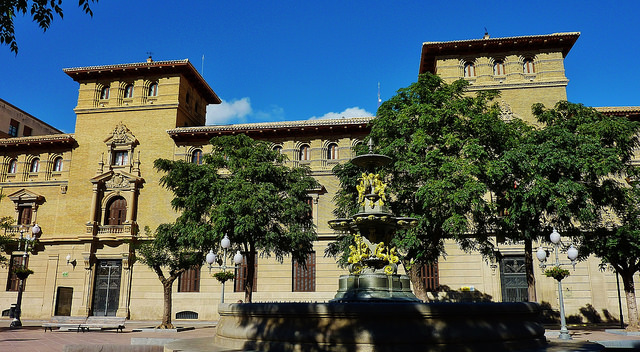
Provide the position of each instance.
(380, 326)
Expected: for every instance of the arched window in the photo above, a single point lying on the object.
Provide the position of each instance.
(13, 166)
(469, 69)
(196, 157)
(528, 66)
(116, 211)
(104, 92)
(153, 90)
(128, 91)
(57, 164)
(35, 165)
(332, 151)
(305, 153)
(498, 68)
(278, 148)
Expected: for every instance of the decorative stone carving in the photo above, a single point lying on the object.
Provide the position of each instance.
(121, 135)
(117, 181)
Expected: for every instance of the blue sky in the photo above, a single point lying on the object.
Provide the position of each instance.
(295, 60)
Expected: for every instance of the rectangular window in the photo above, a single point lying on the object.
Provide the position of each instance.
(189, 280)
(13, 128)
(429, 273)
(121, 158)
(16, 261)
(304, 277)
(27, 131)
(24, 215)
(241, 273)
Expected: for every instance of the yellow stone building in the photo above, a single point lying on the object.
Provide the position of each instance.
(92, 191)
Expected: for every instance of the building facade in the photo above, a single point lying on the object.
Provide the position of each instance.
(17, 123)
(91, 192)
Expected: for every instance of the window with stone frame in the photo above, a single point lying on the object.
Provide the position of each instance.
(13, 128)
(13, 166)
(25, 215)
(104, 92)
(16, 261)
(469, 69)
(128, 91)
(120, 158)
(332, 151)
(189, 280)
(153, 90)
(304, 274)
(498, 68)
(304, 153)
(528, 66)
(34, 166)
(196, 157)
(57, 164)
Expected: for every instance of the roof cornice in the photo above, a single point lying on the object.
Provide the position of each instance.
(344, 124)
(430, 50)
(184, 67)
(38, 141)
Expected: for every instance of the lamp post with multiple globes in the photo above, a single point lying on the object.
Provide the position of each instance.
(211, 257)
(27, 240)
(572, 254)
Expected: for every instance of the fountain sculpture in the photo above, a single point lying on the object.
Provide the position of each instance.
(374, 308)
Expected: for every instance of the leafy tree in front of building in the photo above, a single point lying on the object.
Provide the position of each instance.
(443, 144)
(42, 12)
(617, 242)
(244, 190)
(561, 174)
(169, 253)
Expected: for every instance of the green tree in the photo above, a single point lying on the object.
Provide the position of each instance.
(443, 142)
(169, 254)
(42, 12)
(244, 190)
(618, 242)
(560, 174)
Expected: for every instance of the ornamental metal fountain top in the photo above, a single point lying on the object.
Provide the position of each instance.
(373, 263)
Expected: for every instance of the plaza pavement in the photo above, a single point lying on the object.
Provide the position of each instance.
(33, 338)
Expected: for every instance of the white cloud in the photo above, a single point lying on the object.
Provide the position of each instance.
(228, 112)
(349, 112)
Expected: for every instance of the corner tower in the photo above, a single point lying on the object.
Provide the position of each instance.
(525, 69)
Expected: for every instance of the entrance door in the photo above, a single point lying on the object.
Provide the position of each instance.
(106, 291)
(63, 301)
(513, 279)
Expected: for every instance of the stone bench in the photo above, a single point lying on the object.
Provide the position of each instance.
(64, 322)
(103, 323)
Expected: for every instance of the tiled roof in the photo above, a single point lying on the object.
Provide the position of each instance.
(125, 66)
(275, 125)
(618, 109)
(541, 36)
(38, 140)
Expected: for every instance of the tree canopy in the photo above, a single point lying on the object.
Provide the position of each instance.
(443, 143)
(244, 190)
(42, 12)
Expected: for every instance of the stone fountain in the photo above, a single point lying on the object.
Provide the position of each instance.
(374, 308)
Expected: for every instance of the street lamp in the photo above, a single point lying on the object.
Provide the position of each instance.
(211, 257)
(28, 240)
(572, 254)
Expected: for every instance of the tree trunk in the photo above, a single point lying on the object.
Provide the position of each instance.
(528, 264)
(632, 307)
(251, 273)
(166, 314)
(419, 286)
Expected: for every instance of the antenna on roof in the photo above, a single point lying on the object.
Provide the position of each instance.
(486, 33)
(379, 100)
(202, 71)
(149, 59)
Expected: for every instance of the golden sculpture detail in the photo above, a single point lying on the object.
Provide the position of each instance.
(362, 251)
(371, 184)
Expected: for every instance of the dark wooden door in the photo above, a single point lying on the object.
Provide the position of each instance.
(117, 211)
(63, 301)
